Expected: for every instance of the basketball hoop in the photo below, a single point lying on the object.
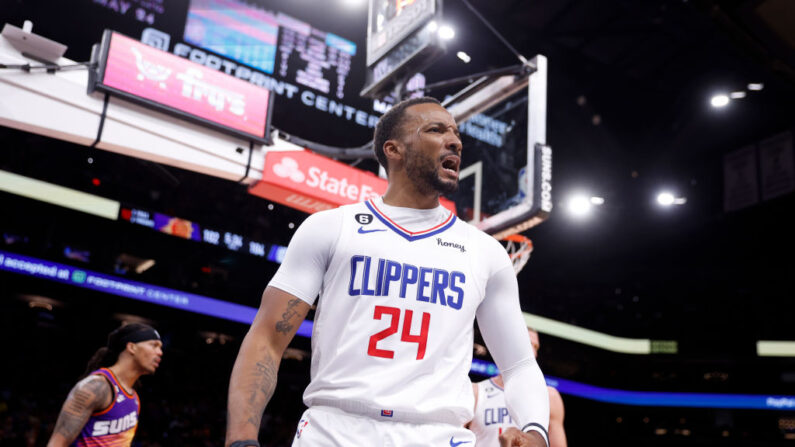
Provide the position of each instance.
(519, 249)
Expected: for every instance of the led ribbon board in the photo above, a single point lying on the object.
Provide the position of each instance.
(670, 399)
(655, 398)
(87, 279)
(186, 229)
(168, 83)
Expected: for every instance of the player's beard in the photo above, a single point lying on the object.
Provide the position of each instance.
(425, 173)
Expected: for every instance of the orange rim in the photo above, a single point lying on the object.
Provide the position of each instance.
(519, 239)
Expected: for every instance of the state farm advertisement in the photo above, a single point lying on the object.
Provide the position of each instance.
(184, 86)
(311, 183)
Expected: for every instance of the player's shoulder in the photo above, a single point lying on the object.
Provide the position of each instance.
(485, 241)
(330, 222)
(554, 396)
(325, 216)
(473, 231)
(346, 210)
(96, 385)
(553, 392)
(556, 407)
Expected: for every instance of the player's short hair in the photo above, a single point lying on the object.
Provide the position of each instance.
(389, 125)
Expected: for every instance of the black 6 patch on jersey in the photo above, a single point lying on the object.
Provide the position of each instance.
(364, 218)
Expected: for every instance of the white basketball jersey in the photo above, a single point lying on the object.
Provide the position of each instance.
(491, 415)
(393, 329)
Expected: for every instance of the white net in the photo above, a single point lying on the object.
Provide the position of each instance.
(519, 249)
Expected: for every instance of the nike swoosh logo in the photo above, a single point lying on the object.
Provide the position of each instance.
(363, 231)
(456, 444)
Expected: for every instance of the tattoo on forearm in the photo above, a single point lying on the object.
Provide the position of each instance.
(264, 383)
(285, 326)
(85, 398)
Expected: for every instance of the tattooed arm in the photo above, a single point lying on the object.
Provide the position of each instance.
(89, 395)
(254, 374)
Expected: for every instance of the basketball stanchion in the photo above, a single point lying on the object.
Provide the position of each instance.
(519, 249)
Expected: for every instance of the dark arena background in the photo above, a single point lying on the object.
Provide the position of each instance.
(662, 284)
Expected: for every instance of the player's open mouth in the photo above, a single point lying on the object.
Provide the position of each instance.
(450, 164)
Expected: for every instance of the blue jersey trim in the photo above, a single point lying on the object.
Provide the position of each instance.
(407, 236)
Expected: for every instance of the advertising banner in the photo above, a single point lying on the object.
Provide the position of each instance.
(311, 183)
(160, 79)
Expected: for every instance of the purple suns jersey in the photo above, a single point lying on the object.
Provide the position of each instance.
(114, 426)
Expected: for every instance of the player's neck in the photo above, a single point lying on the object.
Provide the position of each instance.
(498, 380)
(127, 373)
(403, 193)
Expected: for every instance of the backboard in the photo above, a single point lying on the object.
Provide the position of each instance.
(505, 183)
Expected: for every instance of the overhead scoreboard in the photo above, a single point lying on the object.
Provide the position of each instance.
(402, 40)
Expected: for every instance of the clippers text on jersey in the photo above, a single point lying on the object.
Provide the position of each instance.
(376, 277)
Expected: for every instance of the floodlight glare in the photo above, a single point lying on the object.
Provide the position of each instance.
(737, 95)
(433, 26)
(665, 199)
(756, 86)
(718, 101)
(597, 200)
(579, 206)
(446, 32)
(464, 57)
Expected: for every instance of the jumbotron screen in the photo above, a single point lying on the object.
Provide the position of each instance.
(250, 35)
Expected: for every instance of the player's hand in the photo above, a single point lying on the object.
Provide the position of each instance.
(512, 437)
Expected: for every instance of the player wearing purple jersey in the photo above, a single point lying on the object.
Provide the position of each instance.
(400, 282)
(102, 409)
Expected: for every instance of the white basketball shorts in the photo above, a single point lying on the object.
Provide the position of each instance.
(332, 427)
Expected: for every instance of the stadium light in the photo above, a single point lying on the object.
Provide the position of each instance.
(719, 101)
(756, 86)
(667, 199)
(446, 32)
(464, 57)
(579, 206)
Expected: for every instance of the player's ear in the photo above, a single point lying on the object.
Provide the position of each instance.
(394, 151)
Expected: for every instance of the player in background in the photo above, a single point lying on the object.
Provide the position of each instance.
(492, 417)
(103, 408)
(401, 281)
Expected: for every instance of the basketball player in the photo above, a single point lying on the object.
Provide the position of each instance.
(102, 409)
(401, 281)
(492, 417)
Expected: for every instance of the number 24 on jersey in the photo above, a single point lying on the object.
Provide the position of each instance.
(394, 315)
